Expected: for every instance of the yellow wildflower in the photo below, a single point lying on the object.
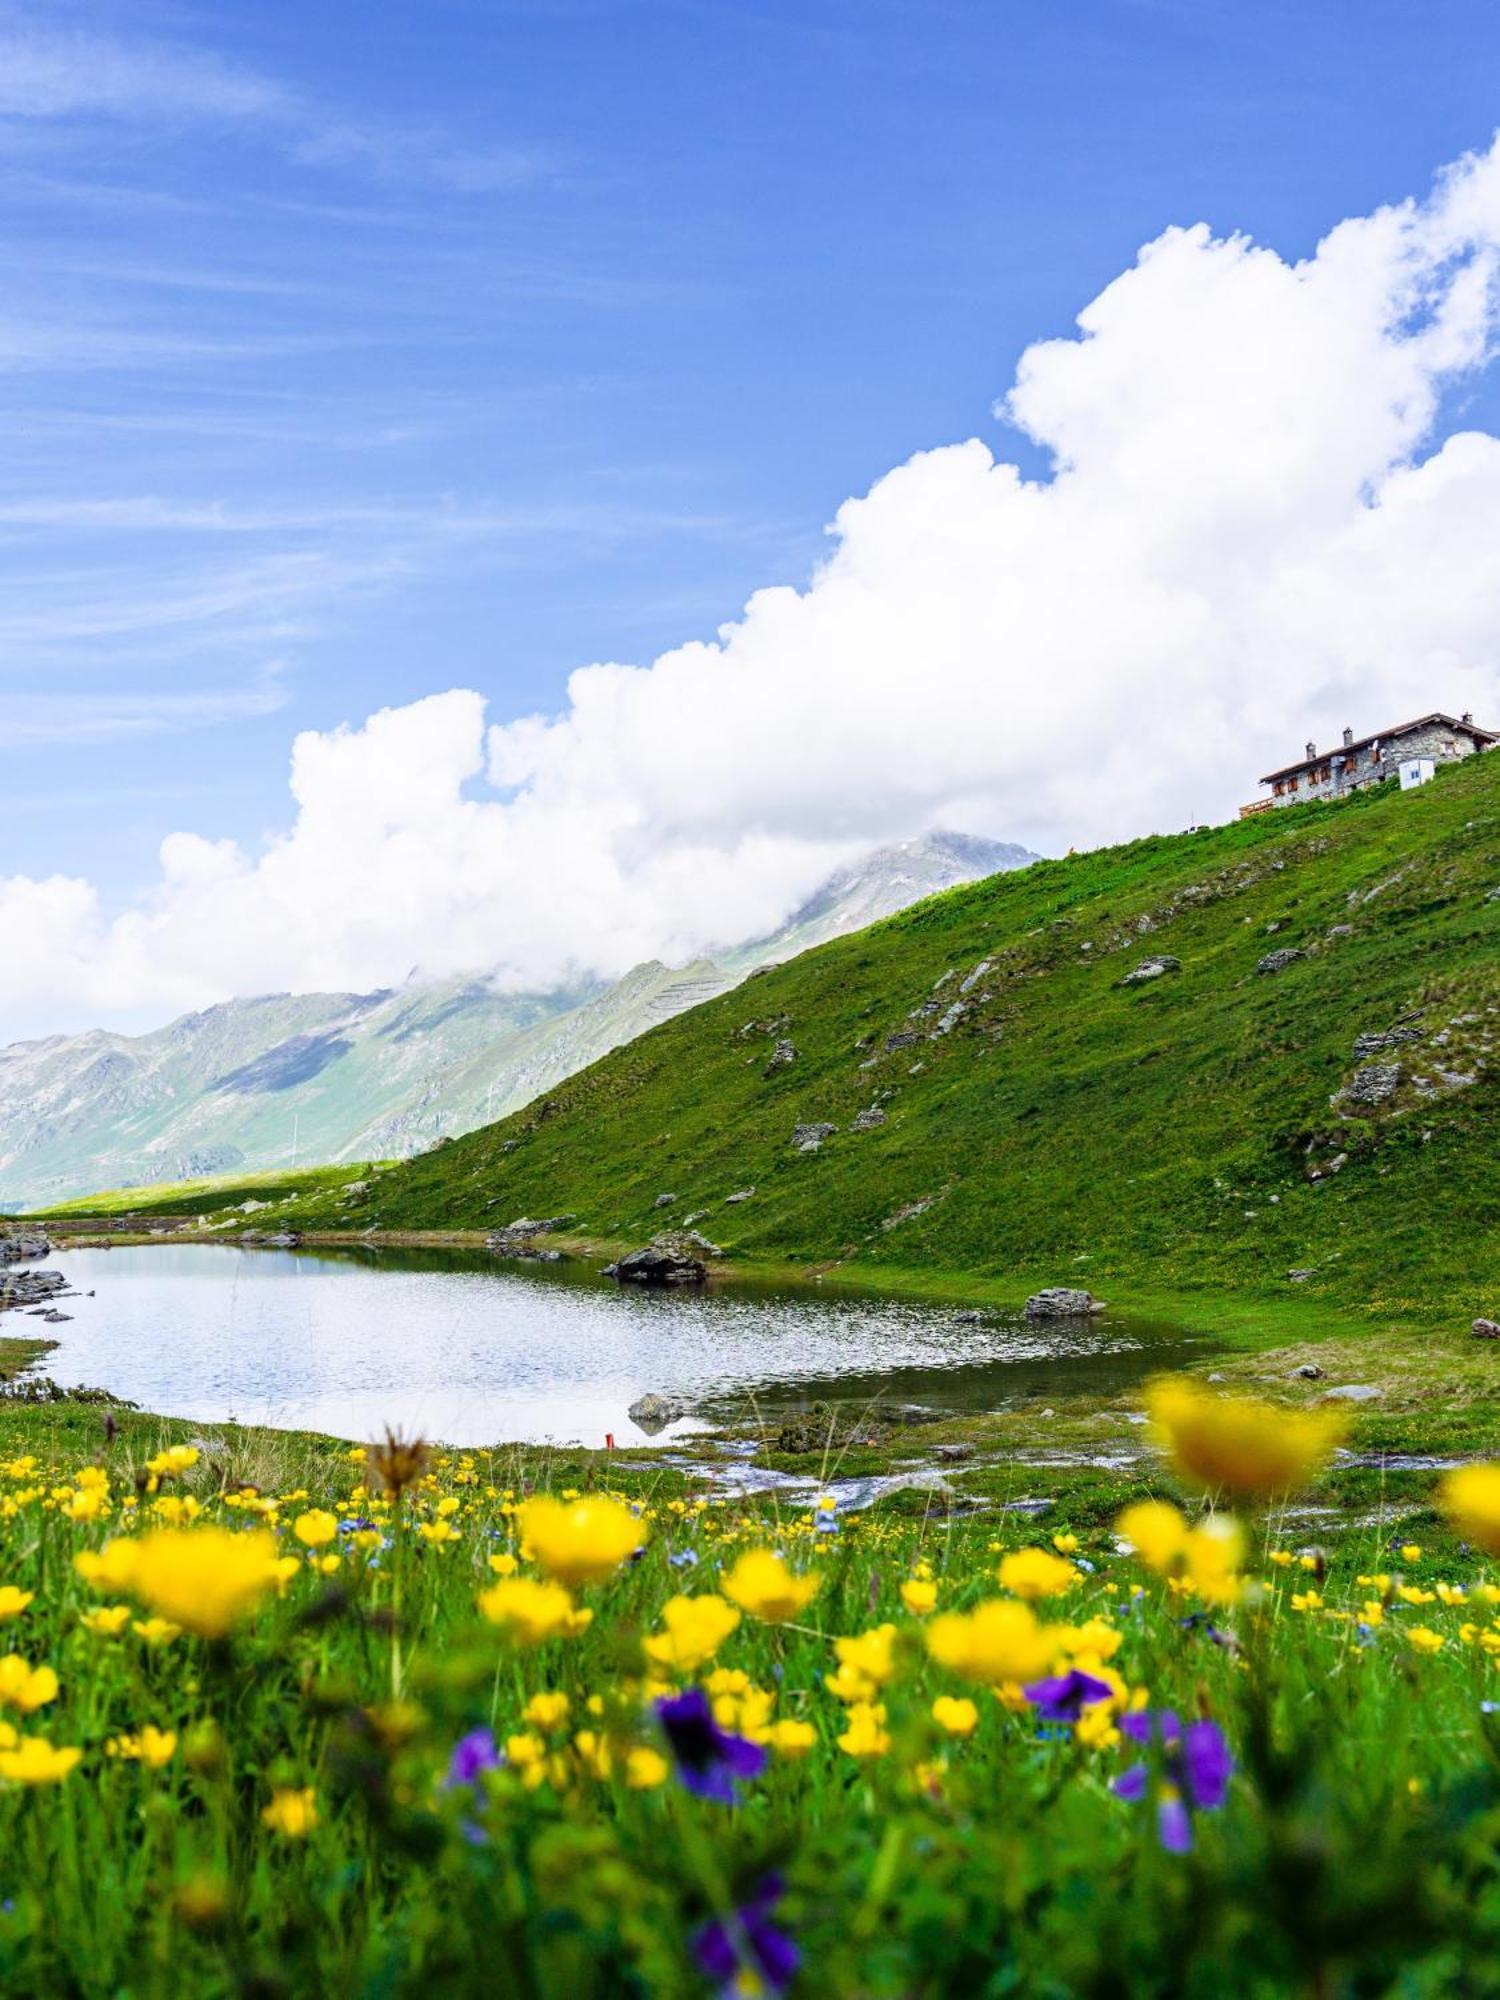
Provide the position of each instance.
(437, 1534)
(956, 1714)
(919, 1595)
(107, 1622)
(1470, 1497)
(696, 1627)
(548, 1710)
(504, 1565)
(761, 1584)
(1236, 1444)
(35, 1761)
(202, 1580)
(156, 1631)
(791, 1737)
(645, 1768)
(110, 1568)
(998, 1641)
(866, 1662)
(293, 1813)
(171, 1463)
(24, 1686)
(1066, 1544)
(581, 1542)
(1424, 1639)
(866, 1734)
(1033, 1573)
(13, 1601)
(1411, 1552)
(316, 1528)
(528, 1611)
(152, 1746)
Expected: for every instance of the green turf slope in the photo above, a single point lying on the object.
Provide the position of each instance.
(1047, 1120)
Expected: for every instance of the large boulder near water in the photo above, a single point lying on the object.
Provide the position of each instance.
(652, 1412)
(658, 1264)
(22, 1246)
(1062, 1302)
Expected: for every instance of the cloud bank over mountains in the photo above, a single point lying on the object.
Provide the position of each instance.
(1262, 520)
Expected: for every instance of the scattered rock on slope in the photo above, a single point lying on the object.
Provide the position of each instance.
(1152, 968)
(808, 1138)
(1278, 961)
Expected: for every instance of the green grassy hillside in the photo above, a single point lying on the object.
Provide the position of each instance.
(1045, 1120)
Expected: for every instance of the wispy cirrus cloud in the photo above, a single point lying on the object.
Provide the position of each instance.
(41, 719)
(55, 74)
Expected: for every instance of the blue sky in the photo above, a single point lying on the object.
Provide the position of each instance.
(349, 354)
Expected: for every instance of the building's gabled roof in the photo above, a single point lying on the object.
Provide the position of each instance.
(1483, 737)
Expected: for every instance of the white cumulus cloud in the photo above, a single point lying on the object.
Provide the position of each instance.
(1258, 525)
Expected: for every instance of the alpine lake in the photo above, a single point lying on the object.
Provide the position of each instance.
(468, 1348)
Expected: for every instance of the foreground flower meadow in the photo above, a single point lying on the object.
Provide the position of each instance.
(422, 1731)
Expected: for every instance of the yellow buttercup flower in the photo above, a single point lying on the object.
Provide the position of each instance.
(35, 1761)
(316, 1528)
(761, 1584)
(919, 1595)
(13, 1601)
(107, 1622)
(24, 1686)
(866, 1662)
(504, 1565)
(204, 1580)
(582, 1541)
(866, 1734)
(548, 1710)
(1033, 1573)
(998, 1641)
(696, 1627)
(152, 1746)
(292, 1813)
(156, 1631)
(1470, 1497)
(1207, 1555)
(645, 1768)
(791, 1737)
(110, 1568)
(956, 1714)
(1424, 1639)
(528, 1611)
(1236, 1444)
(171, 1463)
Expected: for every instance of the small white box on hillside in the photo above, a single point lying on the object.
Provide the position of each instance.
(1416, 771)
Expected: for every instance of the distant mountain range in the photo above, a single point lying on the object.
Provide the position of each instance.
(320, 1077)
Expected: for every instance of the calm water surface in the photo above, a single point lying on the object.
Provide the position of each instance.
(473, 1350)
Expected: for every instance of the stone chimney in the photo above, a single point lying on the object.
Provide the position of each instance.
(1468, 717)
(1348, 738)
(1312, 751)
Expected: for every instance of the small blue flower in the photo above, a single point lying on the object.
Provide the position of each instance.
(710, 1761)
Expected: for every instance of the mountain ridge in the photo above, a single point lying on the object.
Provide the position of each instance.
(277, 1079)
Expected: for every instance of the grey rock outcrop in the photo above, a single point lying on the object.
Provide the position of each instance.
(809, 1138)
(1378, 1040)
(740, 1194)
(868, 1120)
(1353, 1392)
(1373, 1084)
(1486, 1329)
(1062, 1302)
(782, 1057)
(23, 1246)
(664, 1201)
(1278, 961)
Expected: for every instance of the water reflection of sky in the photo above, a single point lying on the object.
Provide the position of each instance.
(474, 1351)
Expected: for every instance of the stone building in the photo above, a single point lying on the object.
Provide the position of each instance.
(1370, 760)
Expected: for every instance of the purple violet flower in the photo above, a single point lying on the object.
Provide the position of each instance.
(1063, 1697)
(709, 1759)
(1196, 1769)
(472, 1756)
(751, 1946)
